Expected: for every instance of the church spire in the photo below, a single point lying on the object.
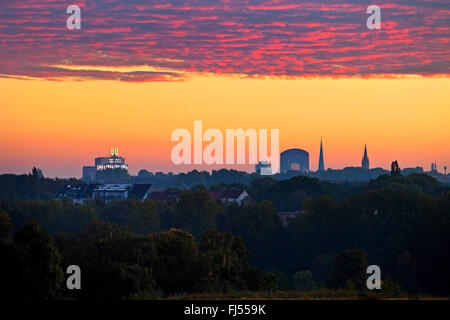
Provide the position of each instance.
(365, 159)
(321, 162)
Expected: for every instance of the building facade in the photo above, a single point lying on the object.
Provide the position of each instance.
(111, 162)
(263, 167)
(294, 159)
(103, 163)
(89, 173)
(106, 192)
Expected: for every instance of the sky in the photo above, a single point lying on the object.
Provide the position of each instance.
(137, 70)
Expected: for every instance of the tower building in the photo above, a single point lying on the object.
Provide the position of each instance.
(434, 166)
(112, 162)
(321, 162)
(365, 159)
(103, 163)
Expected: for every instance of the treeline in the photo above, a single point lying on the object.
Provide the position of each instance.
(297, 186)
(405, 233)
(116, 264)
(188, 180)
(289, 195)
(31, 186)
(192, 178)
(223, 176)
(399, 223)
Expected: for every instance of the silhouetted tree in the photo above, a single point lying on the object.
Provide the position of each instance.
(303, 280)
(349, 271)
(5, 226)
(38, 273)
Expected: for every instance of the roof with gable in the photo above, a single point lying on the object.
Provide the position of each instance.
(110, 187)
(85, 191)
(140, 190)
(230, 193)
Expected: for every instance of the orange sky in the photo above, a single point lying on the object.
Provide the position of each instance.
(61, 126)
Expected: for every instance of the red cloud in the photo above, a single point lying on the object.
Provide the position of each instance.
(283, 38)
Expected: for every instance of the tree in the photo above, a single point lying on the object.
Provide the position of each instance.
(178, 261)
(196, 212)
(349, 270)
(258, 280)
(405, 271)
(5, 226)
(223, 258)
(144, 218)
(303, 281)
(259, 225)
(7, 255)
(39, 275)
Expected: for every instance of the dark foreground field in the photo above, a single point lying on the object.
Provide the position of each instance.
(324, 294)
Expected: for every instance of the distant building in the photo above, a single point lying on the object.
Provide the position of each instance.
(321, 162)
(263, 165)
(233, 195)
(294, 159)
(365, 159)
(89, 173)
(107, 192)
(433, 167)
(102, 163)
(78, 194)
(408, 171)
(112, 162)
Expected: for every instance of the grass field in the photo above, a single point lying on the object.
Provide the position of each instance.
(324, 294)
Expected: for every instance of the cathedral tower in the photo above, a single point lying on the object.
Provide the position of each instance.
(321, 163)
(365, 159)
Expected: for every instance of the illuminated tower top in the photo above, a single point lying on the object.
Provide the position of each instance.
(112, 162)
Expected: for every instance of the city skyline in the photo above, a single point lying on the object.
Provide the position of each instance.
(135, 118)
(135, 72)
(104, 162)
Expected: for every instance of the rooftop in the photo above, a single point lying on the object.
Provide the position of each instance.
(113, 187)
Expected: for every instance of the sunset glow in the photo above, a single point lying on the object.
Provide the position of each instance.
(136, 71)
(61, 126)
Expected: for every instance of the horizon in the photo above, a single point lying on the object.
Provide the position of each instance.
(393, 123)
(210, 168)
(134, 72)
